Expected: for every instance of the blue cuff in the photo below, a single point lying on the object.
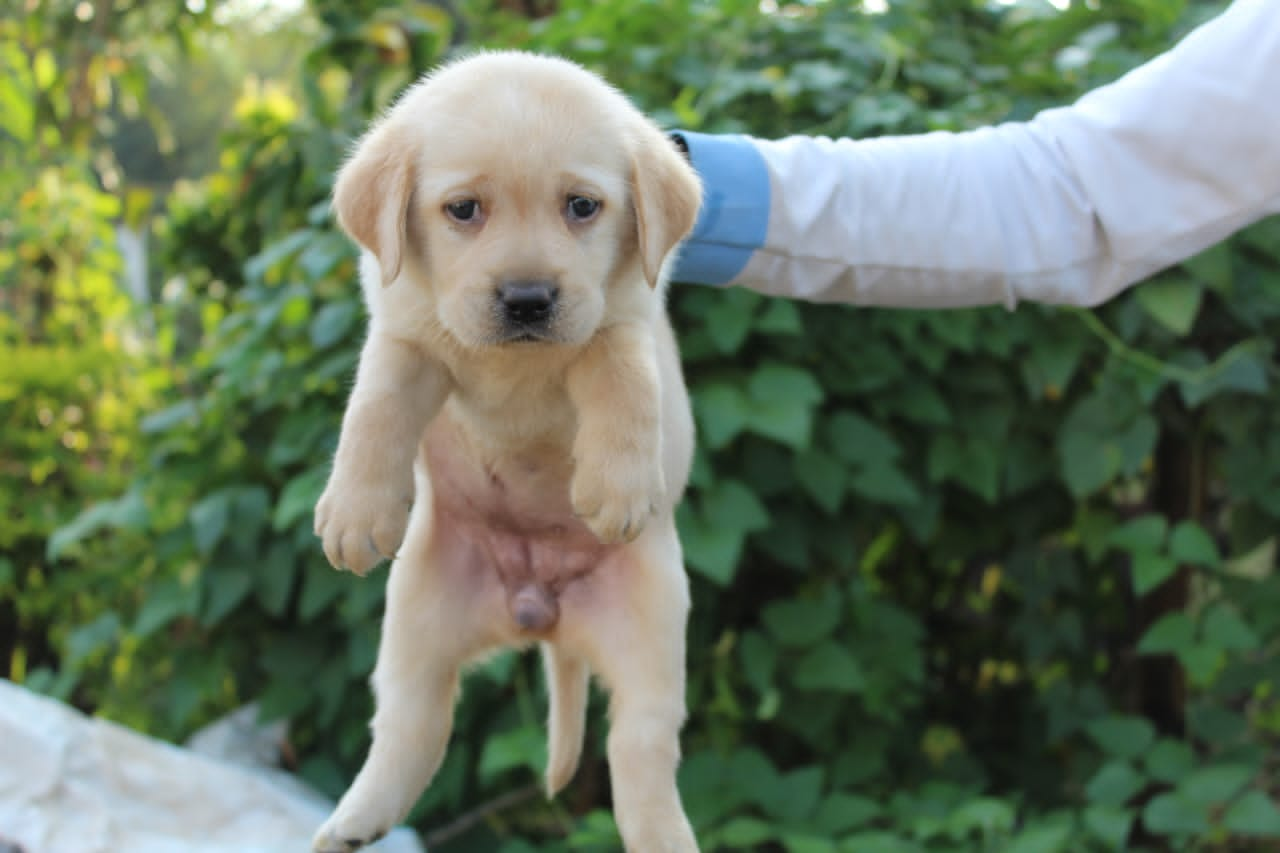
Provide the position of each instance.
(735, 208)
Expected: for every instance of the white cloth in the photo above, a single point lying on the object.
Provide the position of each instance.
(74, 784)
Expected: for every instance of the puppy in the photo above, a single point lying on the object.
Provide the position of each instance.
(519, 389)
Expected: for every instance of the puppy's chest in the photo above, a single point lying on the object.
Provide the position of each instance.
(508, 511)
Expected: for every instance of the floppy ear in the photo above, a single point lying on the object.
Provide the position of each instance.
(371, 196)
(666, 193)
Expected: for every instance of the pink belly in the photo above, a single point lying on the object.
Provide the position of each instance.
(509, 519)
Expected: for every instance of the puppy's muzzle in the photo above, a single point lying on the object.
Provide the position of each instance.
(527, 309)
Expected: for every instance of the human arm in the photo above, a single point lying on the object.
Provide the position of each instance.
(1070, 208)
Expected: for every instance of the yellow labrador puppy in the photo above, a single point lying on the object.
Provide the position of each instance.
(520, 387)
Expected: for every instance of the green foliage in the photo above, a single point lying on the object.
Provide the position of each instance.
(968, 580)
(74, 379)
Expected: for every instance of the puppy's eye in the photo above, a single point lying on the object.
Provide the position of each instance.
(465, 210)
(580, 208)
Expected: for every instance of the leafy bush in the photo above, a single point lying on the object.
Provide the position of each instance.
(963, 581)
(72, 381)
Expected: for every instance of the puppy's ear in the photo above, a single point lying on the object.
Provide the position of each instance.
(371, 195)
(666, 193)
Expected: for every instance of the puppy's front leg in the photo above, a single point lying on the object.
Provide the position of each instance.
(617, 478)
(362, 514)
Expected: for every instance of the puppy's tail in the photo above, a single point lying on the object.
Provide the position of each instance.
(567, 688)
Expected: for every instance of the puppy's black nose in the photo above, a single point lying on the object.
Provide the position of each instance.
(528, 303)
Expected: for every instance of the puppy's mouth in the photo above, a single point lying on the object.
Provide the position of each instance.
(526, 336)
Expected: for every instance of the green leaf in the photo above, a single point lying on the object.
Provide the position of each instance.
(823, 477)
(859, 441)
(782, 383)
(332, 322)
(742, 832)
(1103, 436)
(1143, 534)
(1110, 824)
(274, 578)
(323, 253)
(884, 483)
(729, 319)
(1172, 634)
(1051, 363)
(1115, 783)
(1253, 814)
(209, 520)
(1212, 786)
(714, 527)
(165, 601)
(1172, 302)
(299, 497)
(795, 795)
(257, 266)
(86, 640)
(711, 551)
(250, 512)
(973, 464)
(89, 521)
(1203, 663)
(800, 842)
(877, 841)
(829, 666)
(1170, 760)
(181, 414)
(522, 747)
(17, 96)
(802, 622)
(1150, 570)
(731, 504)
(321, 585)
(1217, 724)
(987, 816)
(723, 412)
(840, 812)
(920, 402)
(783, 399)
(1212, 266)
(283, 698)
(1224, 629)
(1245, 373)
(1124, 737)
(780, 317)
(1040, 839)
(1192, 545)
(1086, 463)
(226, 588)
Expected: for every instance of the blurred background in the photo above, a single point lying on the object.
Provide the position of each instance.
(967, 581)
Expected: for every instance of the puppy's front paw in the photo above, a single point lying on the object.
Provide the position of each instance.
(616, 499)
(361, 523)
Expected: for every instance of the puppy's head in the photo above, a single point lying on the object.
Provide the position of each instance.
(530, 197)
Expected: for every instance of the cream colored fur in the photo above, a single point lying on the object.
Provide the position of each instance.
(565, 456)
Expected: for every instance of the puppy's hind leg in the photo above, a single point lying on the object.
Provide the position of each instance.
(430, 630)
(631, 627)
